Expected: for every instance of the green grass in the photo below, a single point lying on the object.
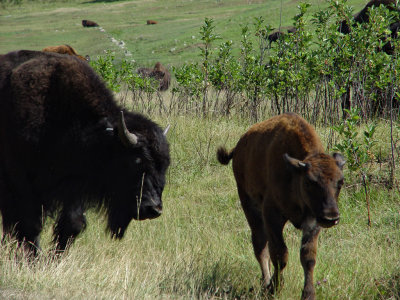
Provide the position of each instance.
(200, 247)
(35, 25)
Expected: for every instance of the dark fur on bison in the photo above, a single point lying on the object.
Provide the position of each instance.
(160, 73)
(66, 146)
(88, 23)
(363, 17)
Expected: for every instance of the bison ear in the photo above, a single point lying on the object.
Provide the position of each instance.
(295, 164)
(340, 161)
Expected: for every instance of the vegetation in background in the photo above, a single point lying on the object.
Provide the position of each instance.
(200, 248)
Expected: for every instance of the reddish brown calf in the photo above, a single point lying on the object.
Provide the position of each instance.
(64, 49)
(283, 174)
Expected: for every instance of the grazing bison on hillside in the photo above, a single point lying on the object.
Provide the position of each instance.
(64, 49)
(282, 173)
(160, 73)
(88, 23)
(67, 146)
(151, 22)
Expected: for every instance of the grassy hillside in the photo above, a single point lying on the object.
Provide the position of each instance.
(174, 40)
(200, 248)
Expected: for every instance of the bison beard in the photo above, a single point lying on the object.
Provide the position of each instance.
(67, 147)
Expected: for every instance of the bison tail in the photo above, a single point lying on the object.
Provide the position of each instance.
(224, 156)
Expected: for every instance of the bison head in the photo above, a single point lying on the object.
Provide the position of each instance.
(319, 179)
(138, 166)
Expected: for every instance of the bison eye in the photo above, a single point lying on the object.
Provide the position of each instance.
(138, 160)
(340, 183)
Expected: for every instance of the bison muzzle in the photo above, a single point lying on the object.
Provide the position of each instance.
(283, 174)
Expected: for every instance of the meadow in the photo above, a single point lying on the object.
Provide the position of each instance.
(200, 248)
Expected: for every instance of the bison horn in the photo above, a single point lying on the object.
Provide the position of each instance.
(127, 138)
(166, 129)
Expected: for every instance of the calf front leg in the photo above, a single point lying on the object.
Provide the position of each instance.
(308, 254)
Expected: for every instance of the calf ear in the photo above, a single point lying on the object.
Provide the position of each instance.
(340, 161)
(294, 163)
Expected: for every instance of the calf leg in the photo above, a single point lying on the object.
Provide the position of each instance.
(308, 254)
(274, 223)
(258, 235)
(70, 223)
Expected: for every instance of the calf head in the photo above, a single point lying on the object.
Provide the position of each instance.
(319, 178)
(138, 165)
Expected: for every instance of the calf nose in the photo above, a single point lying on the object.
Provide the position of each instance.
(331, 214)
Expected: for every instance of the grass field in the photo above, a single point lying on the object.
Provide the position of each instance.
(174, 40)
(200, 247)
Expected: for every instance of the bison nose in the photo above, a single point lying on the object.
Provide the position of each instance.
(330, 217)
(157, 209)
(154, 211)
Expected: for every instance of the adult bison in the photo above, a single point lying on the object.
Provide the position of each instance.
(67, 146)
(363, 17)
(89, 23)
(159, 73)
(64, 49)
(282, 173)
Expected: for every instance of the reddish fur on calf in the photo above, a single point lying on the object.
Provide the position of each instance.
(282, 174)
(63, 49)
(151, 22)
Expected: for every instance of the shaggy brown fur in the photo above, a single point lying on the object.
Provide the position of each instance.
(160, 73)
(283, 174)
(88, 23)
(63, 49)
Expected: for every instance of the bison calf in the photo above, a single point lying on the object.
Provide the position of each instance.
(282, 173)
(64, 49)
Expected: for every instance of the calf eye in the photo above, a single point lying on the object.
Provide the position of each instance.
(340, 183)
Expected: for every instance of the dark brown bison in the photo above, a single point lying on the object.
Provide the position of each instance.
(64, 49)
(88, 23)
(160, 73)
(282, 173)
(66, 146)
(151, 22)
(273, 37)
(363, 17)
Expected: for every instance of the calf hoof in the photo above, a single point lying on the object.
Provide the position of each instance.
(308, 294)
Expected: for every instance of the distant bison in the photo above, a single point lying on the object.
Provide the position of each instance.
(64, 49)
(282, 173)
(151, 22)
(160, 73)
(88, 23)
(67, 146)
(273, 37)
